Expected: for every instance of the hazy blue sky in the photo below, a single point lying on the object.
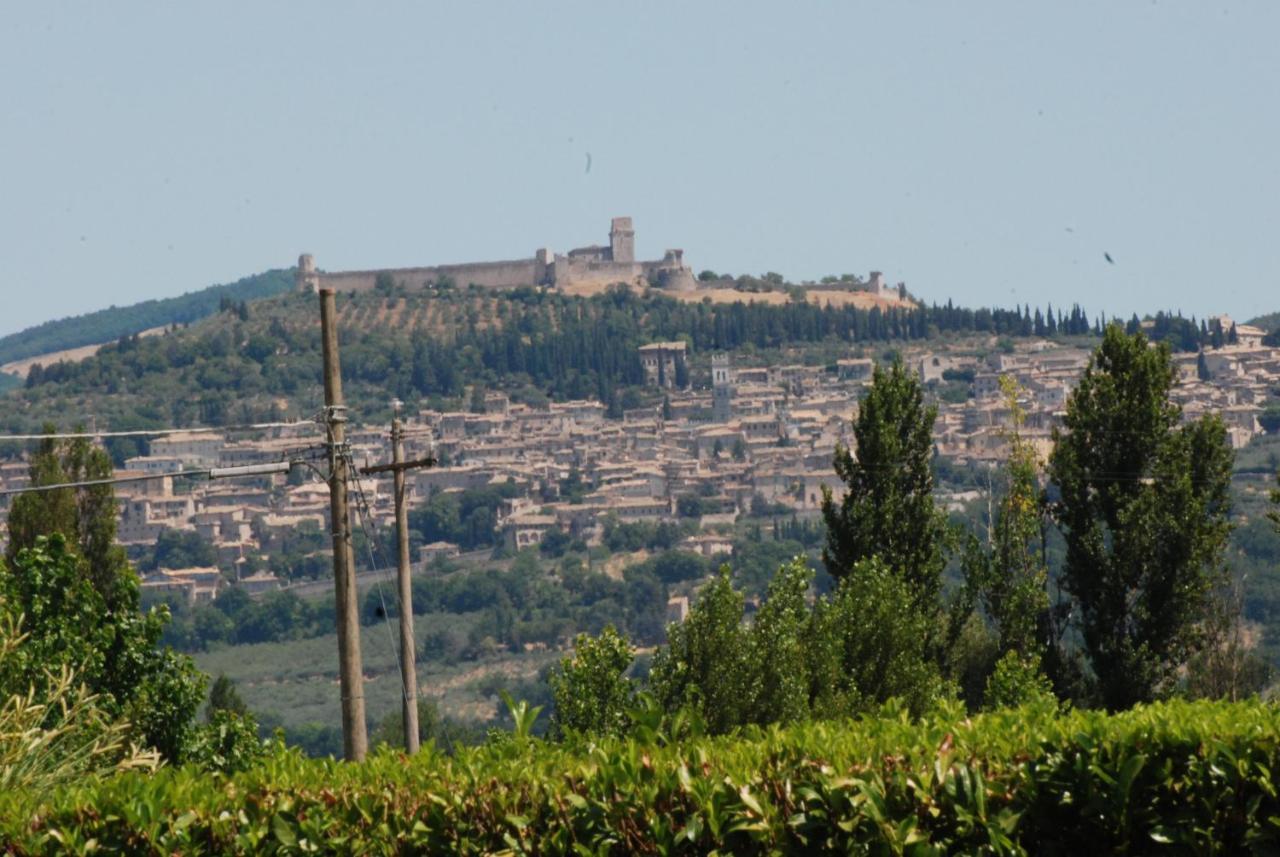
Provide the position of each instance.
(984, 152)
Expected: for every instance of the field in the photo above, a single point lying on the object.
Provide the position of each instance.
(296, 682)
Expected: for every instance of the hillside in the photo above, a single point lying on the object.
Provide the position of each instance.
(263, 361)
(106, 325)
(1269, 322)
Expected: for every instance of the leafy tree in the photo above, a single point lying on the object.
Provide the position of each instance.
(868, 642)
(1014, 574)
(1016, 680)
(706, 664)
(780, 692)
(67, 621)
(590, 688)
(555, 542)
(1143, 510)
(888, 509)
(179, 549)
(223, 696)
(1269, 419)
(85, 516)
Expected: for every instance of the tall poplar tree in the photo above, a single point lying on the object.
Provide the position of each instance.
(85, 516)
(1144, 510)
(887, 510)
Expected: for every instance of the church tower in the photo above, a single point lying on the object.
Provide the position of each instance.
(721, 388)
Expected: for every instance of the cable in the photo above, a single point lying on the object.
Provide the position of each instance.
(115, 480)
(35, 489)
(363, 515)
(151, 432)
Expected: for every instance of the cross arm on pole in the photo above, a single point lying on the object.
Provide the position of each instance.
(392, 467)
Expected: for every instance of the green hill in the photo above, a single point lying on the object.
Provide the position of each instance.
(115, 322)
(262, 360)
(1269, 322)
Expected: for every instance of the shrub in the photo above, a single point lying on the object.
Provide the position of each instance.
(1178, 776)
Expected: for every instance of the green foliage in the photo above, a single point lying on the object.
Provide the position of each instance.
(180, 549)
(445, 734)
(858, 647)
(1017, 680)
(111, 324)
(888, 510)
(223, 696)
(86, 516)
(1009, 578)
(868, 643)
(467, 518)
(591, 691)
(1143, 509)
(225, 369)
(229, 743)
(66, 622)
(54, 730)
(1269, 419)
(706, 664)
(1178, 776)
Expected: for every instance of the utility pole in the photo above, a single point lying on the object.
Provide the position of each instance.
(408, 657)
(355, 740)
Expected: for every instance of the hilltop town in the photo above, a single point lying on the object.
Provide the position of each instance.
(755, 437)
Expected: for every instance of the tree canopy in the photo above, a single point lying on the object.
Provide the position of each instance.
(1144, 510)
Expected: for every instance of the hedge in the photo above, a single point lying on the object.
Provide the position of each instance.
(1177, 777)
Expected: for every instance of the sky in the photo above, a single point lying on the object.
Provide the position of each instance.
(989, 153)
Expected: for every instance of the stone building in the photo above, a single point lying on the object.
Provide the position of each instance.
(721, 388)
(659, 360)
(595, 265)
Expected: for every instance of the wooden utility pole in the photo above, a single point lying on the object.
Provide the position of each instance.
(408, 657)
(355, 740)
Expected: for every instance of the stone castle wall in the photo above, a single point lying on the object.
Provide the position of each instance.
(491, 275)
(593, 266)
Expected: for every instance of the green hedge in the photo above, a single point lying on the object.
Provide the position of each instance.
(1172, 778)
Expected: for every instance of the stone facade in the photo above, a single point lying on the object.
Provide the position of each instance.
(595, 265)
(659, 360)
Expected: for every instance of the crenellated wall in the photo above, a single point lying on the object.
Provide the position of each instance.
(594, 265)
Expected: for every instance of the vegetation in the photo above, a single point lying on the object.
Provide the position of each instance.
(55, 731)
(242, 361)
(1143, 509)
(1191, 777)
(111, 324)
(888, 509)
(856, 648)
(113, 651)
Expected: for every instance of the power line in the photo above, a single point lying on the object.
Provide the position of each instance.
(152, 432)
(263, 469)
(364, 517)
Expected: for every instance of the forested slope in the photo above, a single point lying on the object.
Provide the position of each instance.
(262, 359)
(115, 322)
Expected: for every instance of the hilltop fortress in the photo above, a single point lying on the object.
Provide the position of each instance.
(586, 266)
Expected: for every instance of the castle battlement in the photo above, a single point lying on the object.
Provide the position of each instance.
(583, 266)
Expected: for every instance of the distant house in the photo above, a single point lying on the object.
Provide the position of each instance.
(260, 581)
(437, 550)
(193, 585)
(659, 360)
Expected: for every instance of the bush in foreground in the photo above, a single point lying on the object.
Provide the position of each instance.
(1193, 777)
